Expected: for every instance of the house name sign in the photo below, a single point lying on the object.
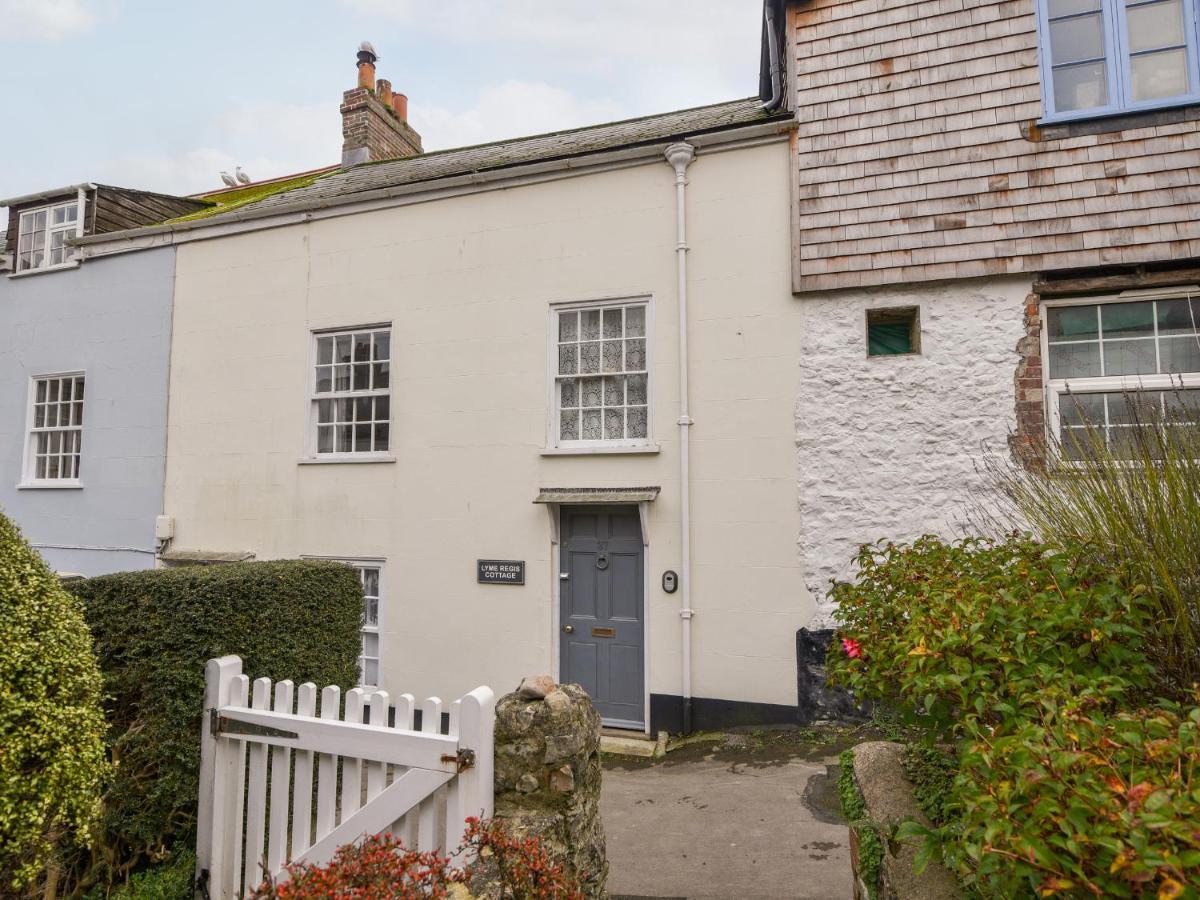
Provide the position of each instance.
(500, 571)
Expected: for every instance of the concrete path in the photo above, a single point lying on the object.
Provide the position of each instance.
(736, 817)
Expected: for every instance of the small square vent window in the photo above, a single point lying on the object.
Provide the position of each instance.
(894, 332)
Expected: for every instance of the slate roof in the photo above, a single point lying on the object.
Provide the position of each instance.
(343, 184)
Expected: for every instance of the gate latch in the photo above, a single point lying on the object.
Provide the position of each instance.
(464, 759)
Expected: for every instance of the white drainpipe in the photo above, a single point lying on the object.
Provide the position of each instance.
(680, 156)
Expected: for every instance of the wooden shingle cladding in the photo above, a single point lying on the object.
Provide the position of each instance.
(110, 209)
(918, 156)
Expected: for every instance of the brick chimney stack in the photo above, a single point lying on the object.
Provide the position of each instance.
(374, 120)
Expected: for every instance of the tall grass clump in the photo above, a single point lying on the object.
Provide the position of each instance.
(1123, 479)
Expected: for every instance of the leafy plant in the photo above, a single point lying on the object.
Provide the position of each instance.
(974, 632)
(51, 724)
(154, 631)
(870, 842)
(171, 879)
(380, 867)
(1131, 494)
(931, 771)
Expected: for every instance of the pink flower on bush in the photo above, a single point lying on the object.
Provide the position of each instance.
(852, 647)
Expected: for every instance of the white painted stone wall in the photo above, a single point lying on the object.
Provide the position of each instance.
(889, 447)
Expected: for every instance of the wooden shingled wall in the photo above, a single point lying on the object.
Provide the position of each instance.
(918, 156)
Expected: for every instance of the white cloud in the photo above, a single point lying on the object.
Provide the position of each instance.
(508, 109)
(43, 19)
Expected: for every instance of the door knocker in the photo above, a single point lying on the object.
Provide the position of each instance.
(602, 560)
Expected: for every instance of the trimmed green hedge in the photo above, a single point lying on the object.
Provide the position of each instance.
(154, 632)
(51, 725)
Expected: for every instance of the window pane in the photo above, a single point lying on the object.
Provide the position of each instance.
(381, 436)
(590, 393)
(58, 215)
(370, 671)
(1177, 317)
(362, 377)
(568, 326)
(383, 409)
(341, 378)
(325, 440)
(590, 330)
(1180, 354)
(382, 375)
(324, 379)
(569, 425)
(342, 345)
(383, 345)
(362, 438)
(1129, 358)
(1077, 39)
(1074, 360)
(72, 212)
(324, 411)
(614, 424)
(635, 321)
(1127, 319)
(1080, 87)
(635, 355)
(591, 430)
(324, 351)
(568, 393)
(362, 409)
(1081, 409)
(1155, 25)
(568, 359)
(1071, 7)
(612, 323)
(637, 389)
(589, 357)
(637, 422)
(614, 391)
(613, 356)
(362, 348)
(1162, 74)
(345, 438)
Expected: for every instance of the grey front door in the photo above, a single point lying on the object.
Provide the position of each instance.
(602, 615)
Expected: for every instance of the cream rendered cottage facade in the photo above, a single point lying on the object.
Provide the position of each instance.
(423, 365)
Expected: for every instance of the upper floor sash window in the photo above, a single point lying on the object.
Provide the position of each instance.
(42, 236)
(1101, 57)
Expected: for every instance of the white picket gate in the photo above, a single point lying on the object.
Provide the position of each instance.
(257, 809)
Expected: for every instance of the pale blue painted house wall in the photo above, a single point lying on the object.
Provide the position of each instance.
(111, 319)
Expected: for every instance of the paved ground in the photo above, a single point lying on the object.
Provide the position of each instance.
(750, 816)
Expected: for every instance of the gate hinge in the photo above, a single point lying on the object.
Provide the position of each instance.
(464, 759)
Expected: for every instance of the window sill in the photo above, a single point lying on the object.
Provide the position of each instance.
(344, 460)
(50, 486)
(1119, 120)
(45, 270)
(600, 450)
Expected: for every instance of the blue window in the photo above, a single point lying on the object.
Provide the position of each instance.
(1101, 57)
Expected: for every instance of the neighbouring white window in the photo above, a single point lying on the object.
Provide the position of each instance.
(368, 661)
(601, 389)
(351, 393)
(1104, 360)
(55, 429)
(1105, 56)
(42, 234)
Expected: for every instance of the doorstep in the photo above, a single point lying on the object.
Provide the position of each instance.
(619, 742)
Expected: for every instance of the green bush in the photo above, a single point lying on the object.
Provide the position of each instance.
(854, 808)
(1076, 802)
(1135, 504)
(977, 631)
(51, 724)
(154, 632)
(170, 880)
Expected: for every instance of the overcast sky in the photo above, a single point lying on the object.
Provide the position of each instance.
(164, 95)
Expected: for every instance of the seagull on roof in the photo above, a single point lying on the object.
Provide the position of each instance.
(242, 176)
(228, 179)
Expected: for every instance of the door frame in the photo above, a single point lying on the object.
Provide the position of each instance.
(555, 511)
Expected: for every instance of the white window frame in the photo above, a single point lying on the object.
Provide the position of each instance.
(627, 445)
(29, 477)
(70, 229)
(380, 565)
(1117, 67)
(1100, 384)
(311, 437)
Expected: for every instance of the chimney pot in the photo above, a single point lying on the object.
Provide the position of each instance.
(383, 92)
(366, 65)
(400, 105)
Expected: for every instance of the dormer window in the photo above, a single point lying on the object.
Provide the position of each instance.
(1101, 57)
(43, 233)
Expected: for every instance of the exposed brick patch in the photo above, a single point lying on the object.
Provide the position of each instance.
(368, 123)
(1028, 442)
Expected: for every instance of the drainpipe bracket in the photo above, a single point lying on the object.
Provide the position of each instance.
(685, 420)
(686, 613)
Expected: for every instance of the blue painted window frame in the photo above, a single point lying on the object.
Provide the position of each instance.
(1117, 64)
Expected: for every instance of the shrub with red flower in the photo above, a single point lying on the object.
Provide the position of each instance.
(380, 867)
(852, 647)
